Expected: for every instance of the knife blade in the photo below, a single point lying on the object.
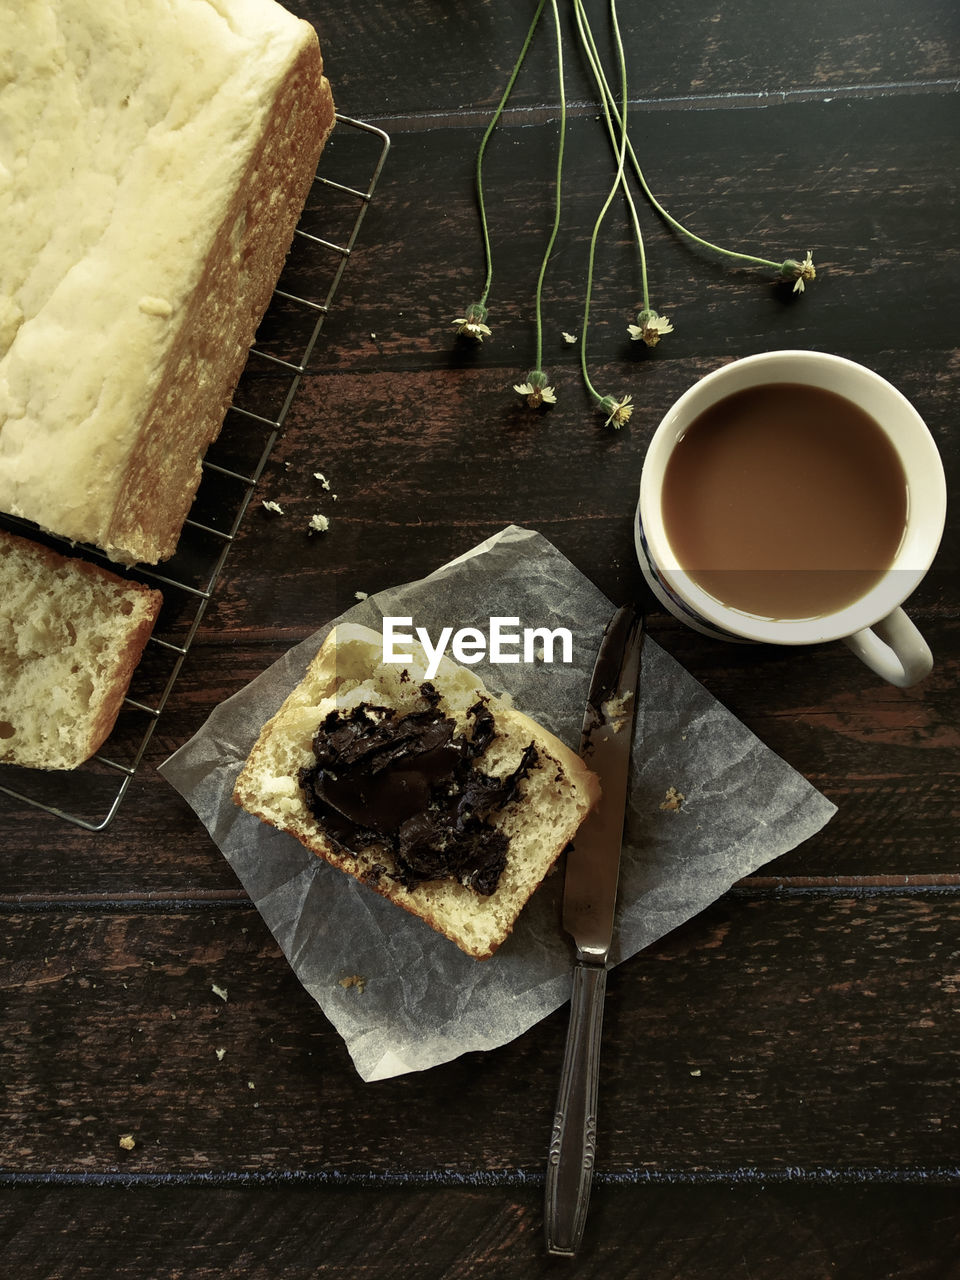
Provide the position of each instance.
(589, 906)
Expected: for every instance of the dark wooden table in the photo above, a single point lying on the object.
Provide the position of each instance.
(780, 1075)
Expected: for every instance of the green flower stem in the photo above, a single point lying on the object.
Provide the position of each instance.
(558, 192)
(488, 254)
(607, 96)
(622, 120)
(645, 287)
(590, 48)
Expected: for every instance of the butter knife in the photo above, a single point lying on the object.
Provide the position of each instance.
(589, 902)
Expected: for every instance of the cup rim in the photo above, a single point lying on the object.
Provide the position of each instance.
(917, 550)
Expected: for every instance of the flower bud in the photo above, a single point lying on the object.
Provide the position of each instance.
(536, 390)
(800, 272)
(471, 323)
(618, 411)
(649, 327)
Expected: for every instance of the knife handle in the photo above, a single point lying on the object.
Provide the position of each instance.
(573, 1143)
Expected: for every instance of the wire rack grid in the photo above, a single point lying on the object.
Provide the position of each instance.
(90, 796)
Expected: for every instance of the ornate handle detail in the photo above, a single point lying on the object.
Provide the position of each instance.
(573, 1142)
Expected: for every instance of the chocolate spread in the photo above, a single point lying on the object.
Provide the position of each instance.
(411, 782)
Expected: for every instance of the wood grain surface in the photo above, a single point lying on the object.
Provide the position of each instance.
(779, 1089)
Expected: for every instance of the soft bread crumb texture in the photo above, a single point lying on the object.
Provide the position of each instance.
(71, 635)
(552, 800)
(673, 800)
(154, 160)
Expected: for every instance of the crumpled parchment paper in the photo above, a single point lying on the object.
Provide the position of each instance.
(422, 1001)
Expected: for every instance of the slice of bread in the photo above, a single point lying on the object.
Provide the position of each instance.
(71, 635)
(553, 790)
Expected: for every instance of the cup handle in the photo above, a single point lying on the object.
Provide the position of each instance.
(894, 649)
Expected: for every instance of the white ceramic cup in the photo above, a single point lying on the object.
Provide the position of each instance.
(874, 627)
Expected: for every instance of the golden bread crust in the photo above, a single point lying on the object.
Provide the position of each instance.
(241, 272)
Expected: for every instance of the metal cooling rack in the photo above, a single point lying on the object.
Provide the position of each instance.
(90, 796)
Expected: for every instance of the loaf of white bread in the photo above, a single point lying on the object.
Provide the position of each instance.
(348, 692)
(71, 634)
(155, 160)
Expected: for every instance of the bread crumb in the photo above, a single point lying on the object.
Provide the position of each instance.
(251, 1085)
(696, 1072)
(354, 981)
(220, 1053)
(160, 307)
(318, 524)
(127, 1141)
(219, 991)
(318, 475)
(274, 508)
(615, 711)
(672, 800)
(360, 595)
(569, 337)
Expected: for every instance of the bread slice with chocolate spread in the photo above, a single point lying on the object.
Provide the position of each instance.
(435, 793)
